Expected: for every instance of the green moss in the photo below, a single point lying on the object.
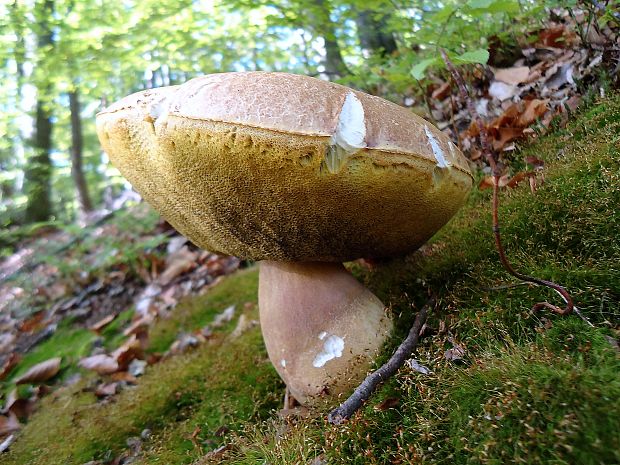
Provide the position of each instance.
(69, 343)
(225, 382)
(193, 314)
(112, 333)
(531, 388)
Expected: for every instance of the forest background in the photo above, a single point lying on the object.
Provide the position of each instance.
(62, 61)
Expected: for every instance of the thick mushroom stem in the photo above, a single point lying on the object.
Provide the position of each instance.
(322, 328)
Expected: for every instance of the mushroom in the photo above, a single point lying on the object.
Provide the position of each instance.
(302, 174)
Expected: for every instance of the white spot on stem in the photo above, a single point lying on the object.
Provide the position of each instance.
(332, 348)
(283, 363)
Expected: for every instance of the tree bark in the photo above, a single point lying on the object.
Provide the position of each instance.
(77, 171)
(373, 34)
(38, 173)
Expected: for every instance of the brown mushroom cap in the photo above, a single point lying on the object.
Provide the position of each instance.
(286, 167)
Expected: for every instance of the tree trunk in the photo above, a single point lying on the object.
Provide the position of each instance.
(37, 176)
(323, 25)
(373, 34)
(77, 171)
(38, 173)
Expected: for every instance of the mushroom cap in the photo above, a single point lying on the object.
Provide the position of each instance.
(286, 167)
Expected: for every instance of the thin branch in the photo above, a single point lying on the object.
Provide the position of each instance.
(369, 385)
(496, 169)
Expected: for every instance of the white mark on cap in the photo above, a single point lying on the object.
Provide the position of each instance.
(350, 133)
(332, 348)
(283, 363)
(351, 129)
(159, 108)
(322, 335)
(439, 155)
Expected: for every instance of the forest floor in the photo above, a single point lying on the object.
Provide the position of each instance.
(501, 384)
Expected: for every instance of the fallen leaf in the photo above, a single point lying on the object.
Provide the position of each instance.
(517, 178)
(486, 183)
(534, 161)
(415, 365)
(21, 408)
(177, 263)
(102, 364)
(386, 404)
(457, 352)
(130, 350)
(139, 325)
(533, 110)
(505, 135)
(502, 91)
(513, 76)
(10, 363)
(40, 372)
(106, 389)
(243, 325)
(552, 37)
(98, 326)
(8, 424)
(224, 317)
(32, 323)
(124, 376)
(441, 92)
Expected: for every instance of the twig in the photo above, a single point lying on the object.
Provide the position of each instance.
(368, 386)
(496, 169)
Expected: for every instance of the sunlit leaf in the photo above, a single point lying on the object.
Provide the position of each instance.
(419, 70)
(480, 56)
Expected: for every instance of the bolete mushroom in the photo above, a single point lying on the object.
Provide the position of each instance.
(302, 174)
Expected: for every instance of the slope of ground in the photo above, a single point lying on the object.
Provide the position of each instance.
(505, 385)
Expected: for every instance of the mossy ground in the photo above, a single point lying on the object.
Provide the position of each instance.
(531, 388)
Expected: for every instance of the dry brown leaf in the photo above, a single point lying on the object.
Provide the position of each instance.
(102, 364)
(10, 363)
(178, 263)
(533, 110)
(139, 325)
(124, 376)
(102, 323)
(32, 323)
(8, 424)
(552, 37)
(513, 76)
(131, 349)
(106, 389)
(388, 403)
(21, 408)
(441, 92)
(534, 161)
(503, 136)
(486, 183)
(457, 352)
(40, 372)
(517, 178)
